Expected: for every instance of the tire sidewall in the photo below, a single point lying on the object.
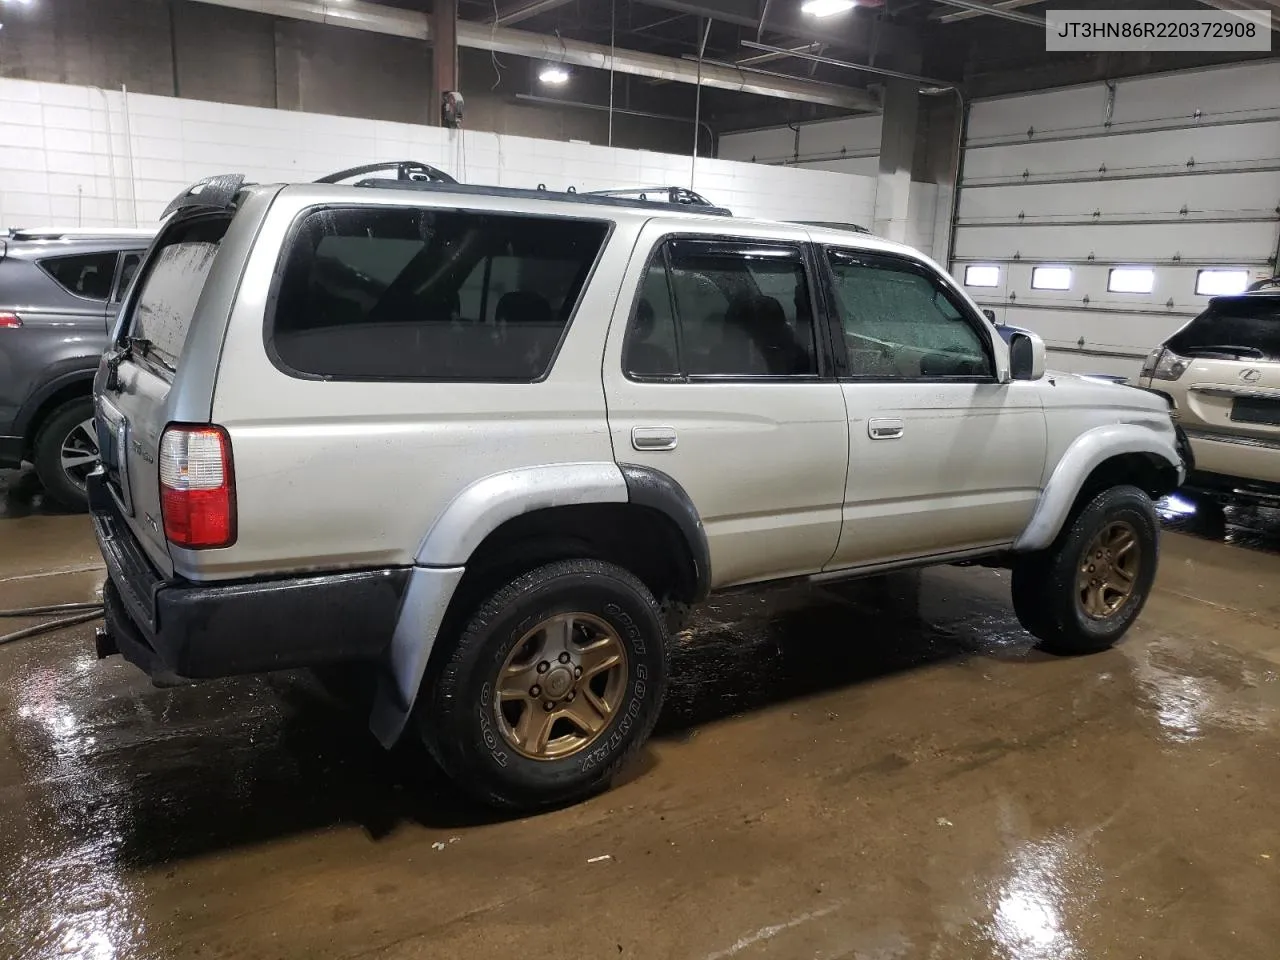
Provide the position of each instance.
(47, 453)
(466, 732)
(1127, 504)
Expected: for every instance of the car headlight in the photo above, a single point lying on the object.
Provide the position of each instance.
(1164, 364)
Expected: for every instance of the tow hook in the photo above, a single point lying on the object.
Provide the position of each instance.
(104, 644)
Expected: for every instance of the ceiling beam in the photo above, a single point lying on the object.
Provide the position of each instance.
(943, 17)
(524, 11)
(847, 65)
(359, 15)
(995, 11)
(1244, 8)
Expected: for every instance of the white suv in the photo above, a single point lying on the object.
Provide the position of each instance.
(485, 443)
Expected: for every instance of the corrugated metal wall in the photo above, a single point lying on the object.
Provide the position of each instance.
(1177, 173)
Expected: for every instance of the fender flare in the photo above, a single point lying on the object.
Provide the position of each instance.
(648, 487)
(1083, 456)
(475, 513)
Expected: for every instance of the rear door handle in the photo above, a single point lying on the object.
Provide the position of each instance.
(884, 429)
(654, 438)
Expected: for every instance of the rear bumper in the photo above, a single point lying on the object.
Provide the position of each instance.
(176, 628)
(1247, 460)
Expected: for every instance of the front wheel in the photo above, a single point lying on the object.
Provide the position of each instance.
(555, 681)
(1082, 593)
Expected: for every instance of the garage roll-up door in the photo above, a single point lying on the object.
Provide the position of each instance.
(1141, 197)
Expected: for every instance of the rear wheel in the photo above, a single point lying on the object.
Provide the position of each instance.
(1085, 591)
(555, 681)
(66, 452)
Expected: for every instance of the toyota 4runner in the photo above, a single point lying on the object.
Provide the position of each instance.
(486, 444)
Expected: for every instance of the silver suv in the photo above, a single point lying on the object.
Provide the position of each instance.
(59, 292)
(487, 444)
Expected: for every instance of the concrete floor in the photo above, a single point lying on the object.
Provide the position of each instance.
(879, 771)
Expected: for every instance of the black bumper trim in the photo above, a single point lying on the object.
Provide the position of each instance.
(176, 628)
(10, 452)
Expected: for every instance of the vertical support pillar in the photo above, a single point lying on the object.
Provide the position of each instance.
(897, 157)
(444, 53)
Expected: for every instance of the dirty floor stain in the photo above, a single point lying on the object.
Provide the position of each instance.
(875, 771)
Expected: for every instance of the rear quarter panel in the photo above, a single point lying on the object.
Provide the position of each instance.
(333, 474)
(59, 342)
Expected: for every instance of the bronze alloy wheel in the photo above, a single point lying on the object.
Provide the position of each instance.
(1108, 570)
(560, 686)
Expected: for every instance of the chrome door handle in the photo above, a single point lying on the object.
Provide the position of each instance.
(654, 438)
(884, 429)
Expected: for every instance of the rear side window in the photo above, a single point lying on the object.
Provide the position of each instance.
(392, 293)
(87, 275)
(1238, 328)
(171, 285)
(711, 308)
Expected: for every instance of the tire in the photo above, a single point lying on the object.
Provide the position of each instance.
(525, 632)
(66, 428)
(1053, 590)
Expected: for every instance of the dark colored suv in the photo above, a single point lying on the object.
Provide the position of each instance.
(59, 291)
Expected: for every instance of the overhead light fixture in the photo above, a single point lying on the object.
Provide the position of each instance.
(553, 73)
(827, 8)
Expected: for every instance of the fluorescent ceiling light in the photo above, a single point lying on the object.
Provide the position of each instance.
(977, 276)
(554, 73)
(1051, 278)
(1131, 280)
(1218, 283)
(826, 8)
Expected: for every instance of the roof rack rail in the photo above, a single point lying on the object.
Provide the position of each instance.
(406, 170)
(680, 195)
(542, 193)
(79, 233)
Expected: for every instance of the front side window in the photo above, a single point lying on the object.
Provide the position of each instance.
(411, 294)
(900, 322)
(87, 275)
(723, 309)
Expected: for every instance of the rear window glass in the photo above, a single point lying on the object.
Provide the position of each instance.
(87, 275)
(1246, 328)
(171, 284)
(412, 294)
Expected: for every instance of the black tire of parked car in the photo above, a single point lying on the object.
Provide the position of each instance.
(1046, 597)
(456, 715)
(47, 453)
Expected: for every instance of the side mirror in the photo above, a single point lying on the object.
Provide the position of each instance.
(990, 315)
(1026, 356)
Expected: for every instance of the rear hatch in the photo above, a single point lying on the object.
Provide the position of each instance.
(149, 380)
(1232, 367)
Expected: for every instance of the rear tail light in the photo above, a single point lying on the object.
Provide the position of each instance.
(197, 487)
(10, 320)
(1169, 366)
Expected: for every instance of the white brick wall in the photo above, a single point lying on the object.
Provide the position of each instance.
(82, 156)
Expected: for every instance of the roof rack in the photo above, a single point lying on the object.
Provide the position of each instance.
(406, 170)
(78, 233)
(680, 195)
(832, 225)
(602, 198)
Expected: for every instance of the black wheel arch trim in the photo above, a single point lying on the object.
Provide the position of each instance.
(649, 487)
